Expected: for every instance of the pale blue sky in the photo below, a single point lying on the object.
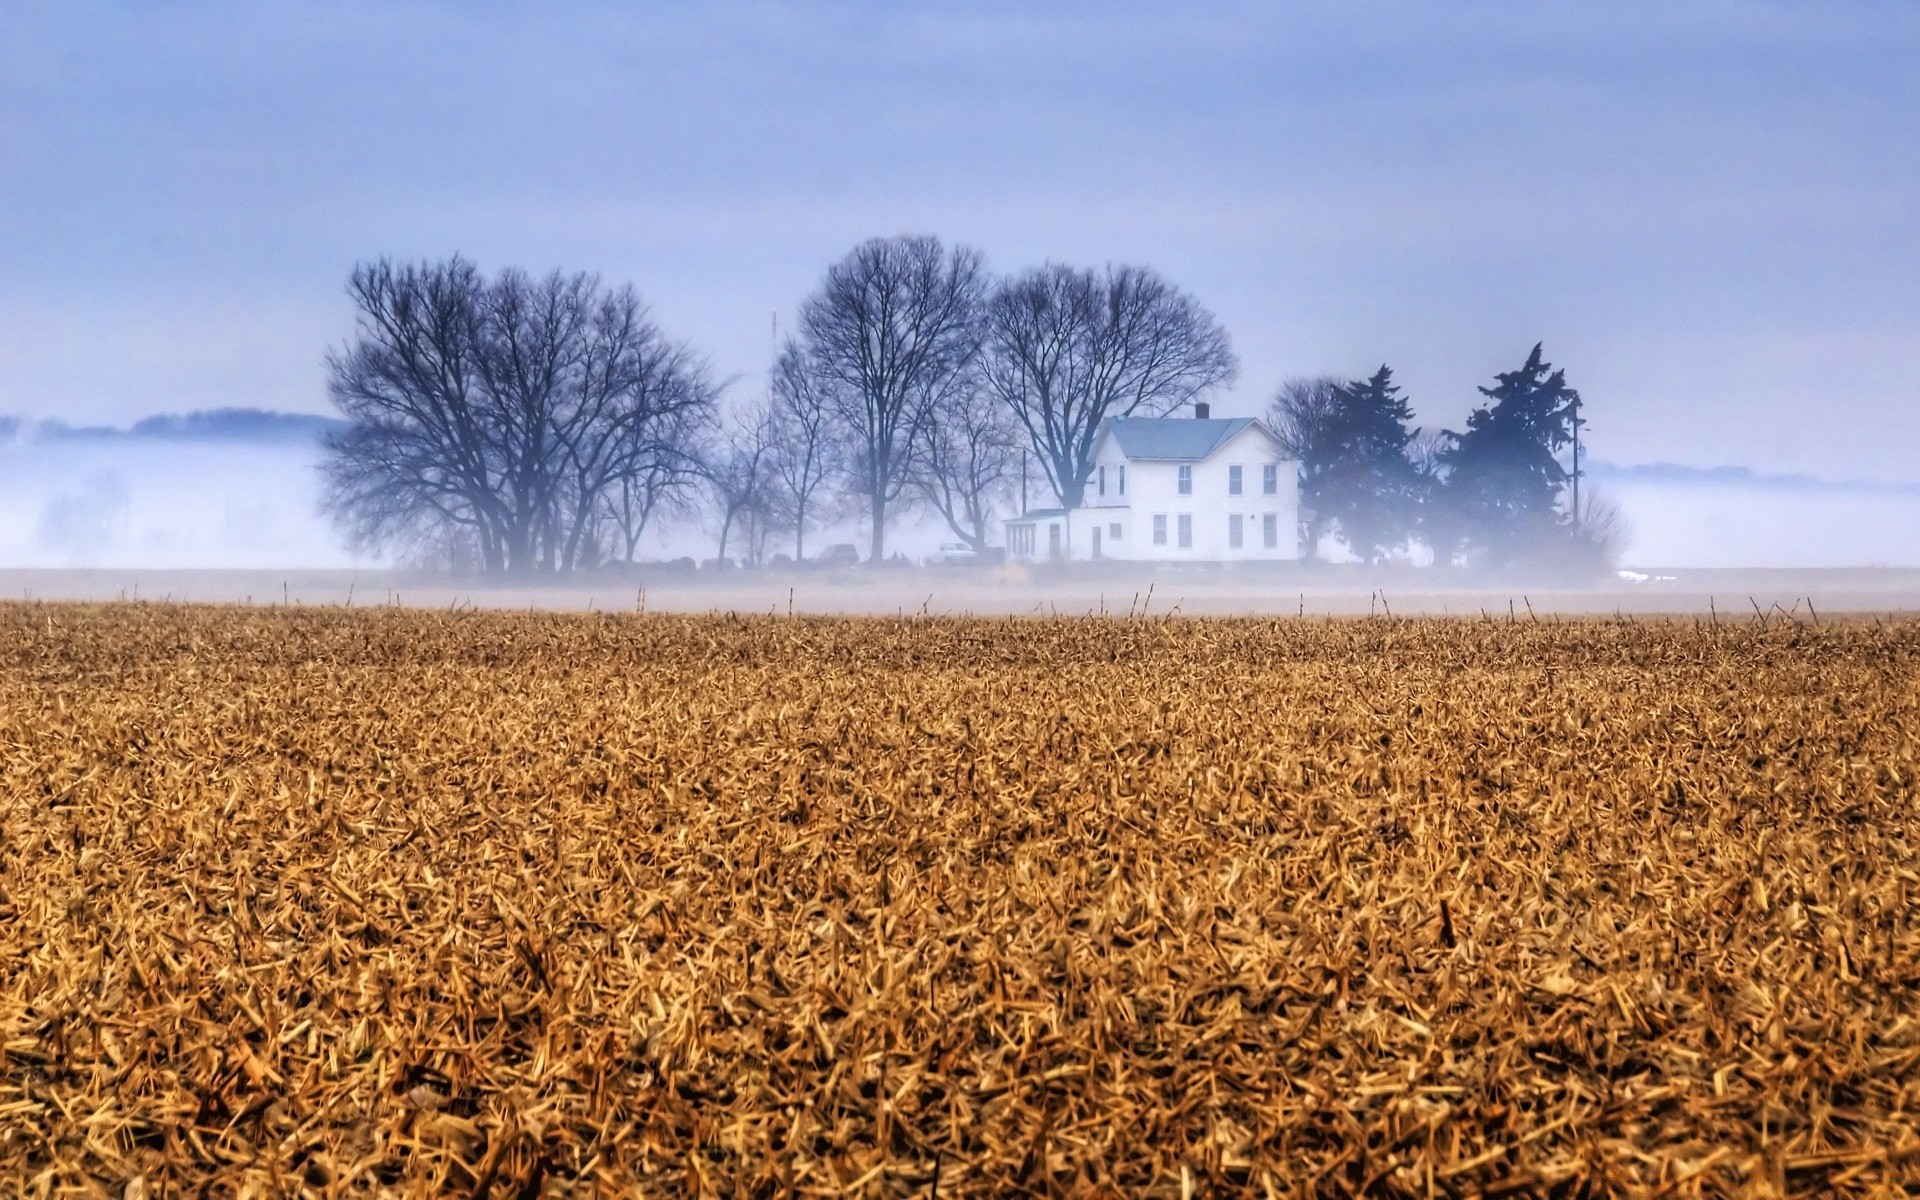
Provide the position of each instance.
(1707, 210)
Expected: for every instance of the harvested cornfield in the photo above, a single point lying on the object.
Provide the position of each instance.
(395, 902)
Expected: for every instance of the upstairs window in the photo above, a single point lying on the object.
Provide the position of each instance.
(1186, 481)
(1270, 479)
(1101, 476)
(1122, 468)
(1233, 480)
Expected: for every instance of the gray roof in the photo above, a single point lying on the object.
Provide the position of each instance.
(1176, 438)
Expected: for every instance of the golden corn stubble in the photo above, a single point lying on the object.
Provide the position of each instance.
(393, 902)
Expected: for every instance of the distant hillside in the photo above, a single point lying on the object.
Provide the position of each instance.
(208, 425)
(1747, 477)
(240, 424)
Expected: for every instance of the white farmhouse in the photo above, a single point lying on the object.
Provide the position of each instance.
(1174, 489)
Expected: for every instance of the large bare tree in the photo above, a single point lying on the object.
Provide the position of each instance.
(623, 419)
(968, 459)
(531, 338)
(891, 327)
(502, 413)
(1066, 349)
(416, 460)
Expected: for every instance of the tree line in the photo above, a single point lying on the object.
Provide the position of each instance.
(525, 425)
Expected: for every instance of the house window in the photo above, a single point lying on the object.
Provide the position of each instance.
(1122, 468)
(1186, 481)
(1270, 479)
(1233, 528)
(1101, 475)
(1186, 531)
(1113, 532)
(1269, 530)
(1233, 481)
(1159, 529)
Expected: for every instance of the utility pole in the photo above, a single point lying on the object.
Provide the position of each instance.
(1576, 460)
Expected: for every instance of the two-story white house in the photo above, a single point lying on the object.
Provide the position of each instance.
(1174, 489)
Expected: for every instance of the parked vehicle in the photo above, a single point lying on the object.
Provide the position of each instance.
(840, 554)
(954, 554)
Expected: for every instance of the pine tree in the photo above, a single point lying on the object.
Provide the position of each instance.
(1503, 474)
(1370, 488)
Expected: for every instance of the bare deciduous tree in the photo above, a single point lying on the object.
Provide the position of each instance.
(805, 452)
(632, 396)
(663, 473)
(739, 472)
(891, 326)
(501, 413)
(416, 458)
(1603, 529)
(968, 458)
(1302, 416)
(530, 337)
(1437, 526)
(1066, 349)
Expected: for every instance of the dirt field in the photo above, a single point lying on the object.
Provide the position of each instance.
(397, 901)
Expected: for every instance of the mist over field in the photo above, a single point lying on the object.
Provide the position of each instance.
(180, 505)
(1759, 524)
(126, 501)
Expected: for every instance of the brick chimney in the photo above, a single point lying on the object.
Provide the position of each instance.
(1200, 411)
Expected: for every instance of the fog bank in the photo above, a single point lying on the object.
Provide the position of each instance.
(118, 501)
(135, 502)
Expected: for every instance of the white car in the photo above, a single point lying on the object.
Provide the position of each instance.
(953, 554)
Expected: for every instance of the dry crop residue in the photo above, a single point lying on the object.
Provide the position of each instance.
(398, 902)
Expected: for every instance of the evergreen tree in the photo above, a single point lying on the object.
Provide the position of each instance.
(1503, 474)
(1370, 488)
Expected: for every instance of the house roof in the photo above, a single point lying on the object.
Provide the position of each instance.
(1040, 514)
(1186, 439)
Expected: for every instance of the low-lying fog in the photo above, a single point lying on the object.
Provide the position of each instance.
(131, 502)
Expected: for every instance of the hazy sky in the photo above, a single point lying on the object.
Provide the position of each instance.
(1710, 212)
